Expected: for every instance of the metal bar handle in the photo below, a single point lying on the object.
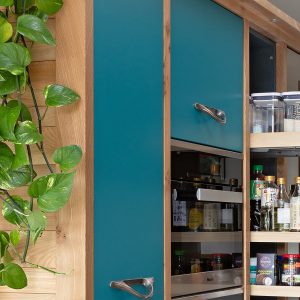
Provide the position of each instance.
(126, 285)
(217, 114)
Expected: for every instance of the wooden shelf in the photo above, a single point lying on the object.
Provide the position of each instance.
(275, 237)
(280, 140)
(275, 291)
(198, 237)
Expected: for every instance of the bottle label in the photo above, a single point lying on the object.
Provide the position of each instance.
(256, 187)
(211, 217)
(295, 213)
(268, 197)
(195, 219)
(227, 216)
(179, 213)
(283, 215)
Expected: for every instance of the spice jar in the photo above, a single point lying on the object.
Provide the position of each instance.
(290, 270)
(195, 266)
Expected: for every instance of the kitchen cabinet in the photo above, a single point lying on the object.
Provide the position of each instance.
(206, 68)
(128, 209)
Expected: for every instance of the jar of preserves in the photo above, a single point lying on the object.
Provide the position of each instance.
(290, 270)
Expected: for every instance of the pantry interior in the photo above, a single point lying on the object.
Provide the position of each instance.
(273, 67)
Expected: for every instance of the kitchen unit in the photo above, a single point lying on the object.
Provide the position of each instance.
(162, 102)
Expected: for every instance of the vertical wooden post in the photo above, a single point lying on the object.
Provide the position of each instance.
(246, 165)
(167, 154)
(75, 222)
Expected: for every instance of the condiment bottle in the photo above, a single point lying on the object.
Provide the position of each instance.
(282, 209)
(268, 198)
(196, 217)
(295, 207)
(227, 217)
(179, 262)
(256, 184)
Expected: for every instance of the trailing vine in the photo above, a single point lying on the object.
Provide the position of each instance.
(19, 134)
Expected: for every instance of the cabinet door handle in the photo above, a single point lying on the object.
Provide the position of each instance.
(126, 285)
(217, 114)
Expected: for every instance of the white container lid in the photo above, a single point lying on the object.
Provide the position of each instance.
(253, 261)
(291, 96)
(269, 95)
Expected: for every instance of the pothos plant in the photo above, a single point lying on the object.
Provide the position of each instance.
(19, 134)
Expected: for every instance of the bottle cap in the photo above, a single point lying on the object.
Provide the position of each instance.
(281, 180)
(179, 252)
(258, 168)
(297, 179)
(271, 178)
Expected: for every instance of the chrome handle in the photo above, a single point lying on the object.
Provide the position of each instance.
(126, 285)
(217, 114)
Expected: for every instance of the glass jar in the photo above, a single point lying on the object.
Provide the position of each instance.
(292, 111)
(290, 270)
(227, 217)
(211, 216)
(196, 217)
(221, 261)
(195, 266)
(267, 112)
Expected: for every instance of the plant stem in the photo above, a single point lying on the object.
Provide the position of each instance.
(44, 268)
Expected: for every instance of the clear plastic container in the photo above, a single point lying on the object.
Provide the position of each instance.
(292, 111)
(267, 112)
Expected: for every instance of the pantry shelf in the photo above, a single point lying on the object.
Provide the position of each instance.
(198, 237)
(275, 291)
(281, 140)
(275, 237)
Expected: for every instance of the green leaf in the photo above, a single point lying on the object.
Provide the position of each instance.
(36, 12)
(8, 85)
(6, 30)
(52, 191)
(37, 222)
(7, 258)
(15, 178)
(14, 58)
(67, 157)
(28, 4)
(6, 2)
(35, 29)
(8, 117)
(14, 276)
(4, 242)
(6, 157)
(20, 158)
(15, 237)
(58, 95)
(1, 281)
(10, 214)
(27, 133)
(49, 7)
(1, 77)
(25, 114)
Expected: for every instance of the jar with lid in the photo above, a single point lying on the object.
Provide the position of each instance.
(196, 217)
(292, 111)
(221, 261)
(290, 270)
(267, 112)
(211, 216)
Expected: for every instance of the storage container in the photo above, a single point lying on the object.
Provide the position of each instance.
(292, 111)
(267, 112)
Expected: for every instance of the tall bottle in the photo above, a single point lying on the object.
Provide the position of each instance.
(295, 207)
(282, 207)
(268, 199)
(256, 184)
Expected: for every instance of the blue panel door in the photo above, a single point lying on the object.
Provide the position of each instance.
(128, 50)
(206, 67)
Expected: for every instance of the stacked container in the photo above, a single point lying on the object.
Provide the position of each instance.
(292, 111)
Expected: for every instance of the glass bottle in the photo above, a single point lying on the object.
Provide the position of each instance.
(227, 217)
(196, 217)
(282, 223)
(179, 262)
(256, 184)
(268, 198)
(295, 207)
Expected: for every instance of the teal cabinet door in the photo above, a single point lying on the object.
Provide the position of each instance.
(128, 93)
(206, 68)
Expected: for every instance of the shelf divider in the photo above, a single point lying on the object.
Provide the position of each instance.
(275, 237)
(275, 291)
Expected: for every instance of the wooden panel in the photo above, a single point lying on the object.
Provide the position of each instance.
(19, 296)
(267, 19)
(275, 291)
(246, 165)
(44, 251)
(275, 140)
(75, 69)
(167, 152)
(50, 118)
(39, 282)
(275, 237)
